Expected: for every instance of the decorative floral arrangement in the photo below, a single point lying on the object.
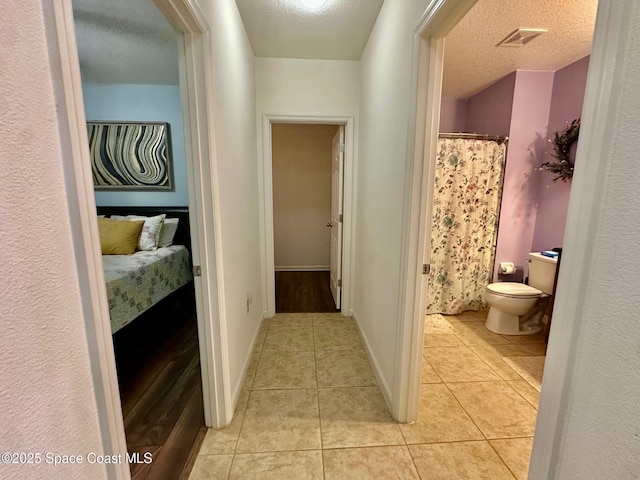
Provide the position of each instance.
(562, 143)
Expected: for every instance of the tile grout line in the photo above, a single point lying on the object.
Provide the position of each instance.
(315, 355)
(497, 373)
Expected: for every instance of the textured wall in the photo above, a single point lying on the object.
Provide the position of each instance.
(47, 401)
(139, 103)
(599, 431)
(302, 195)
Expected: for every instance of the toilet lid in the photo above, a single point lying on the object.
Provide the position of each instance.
(513, 289)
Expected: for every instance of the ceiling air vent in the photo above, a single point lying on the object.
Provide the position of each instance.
(520, 37)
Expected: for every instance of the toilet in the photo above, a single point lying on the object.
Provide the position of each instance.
(510, 301)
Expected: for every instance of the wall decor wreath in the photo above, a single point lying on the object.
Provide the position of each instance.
(562, 142)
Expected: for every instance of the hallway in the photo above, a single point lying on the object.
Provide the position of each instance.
(311, 408)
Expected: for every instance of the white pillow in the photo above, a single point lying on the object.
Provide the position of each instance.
(150, 233)
(167, 232)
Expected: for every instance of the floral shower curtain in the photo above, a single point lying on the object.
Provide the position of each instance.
(468, 188)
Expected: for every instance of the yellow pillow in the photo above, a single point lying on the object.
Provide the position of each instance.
(119, 237)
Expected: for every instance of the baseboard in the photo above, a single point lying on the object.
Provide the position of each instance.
(382, 382)
(303, 268)
(247, 361)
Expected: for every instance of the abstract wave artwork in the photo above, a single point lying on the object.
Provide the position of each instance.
(130, 156)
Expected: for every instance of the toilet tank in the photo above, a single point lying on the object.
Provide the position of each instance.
(542, 272)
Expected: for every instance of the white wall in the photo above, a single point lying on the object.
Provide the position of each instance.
(235, 146)
(47, 398)
(595, 322)
(153, 103)
(305, 88)
(302, 195)
(287, 86)
(384, 117)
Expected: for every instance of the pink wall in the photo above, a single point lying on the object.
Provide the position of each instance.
(527, 106)
(516, 106)
(490, 110)
(453, 115)
(553, 198)
(527, 141)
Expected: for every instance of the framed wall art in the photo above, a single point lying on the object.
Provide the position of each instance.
(131, 155)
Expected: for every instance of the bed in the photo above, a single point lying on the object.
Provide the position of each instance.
(137, 282)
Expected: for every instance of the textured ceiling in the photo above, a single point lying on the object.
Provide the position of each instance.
(125, 41)
(473, 62)
(284, 28)
(129, 41)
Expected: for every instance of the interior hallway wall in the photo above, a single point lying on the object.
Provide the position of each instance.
(289, 86)
(596, 325)
(302, 195)
(234, 109)
(383, 159)
(47, 395)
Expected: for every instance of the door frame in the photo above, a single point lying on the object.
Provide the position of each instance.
(599, 121)
(196, 70)
(265, 178)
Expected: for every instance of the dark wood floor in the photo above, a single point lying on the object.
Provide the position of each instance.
(298, 292)
(161, 389)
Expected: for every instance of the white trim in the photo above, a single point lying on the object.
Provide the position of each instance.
(382, 382)
(265, 181)
(303, 268)
(426, 82)
(86, 240)
(196, 79)
(600, 121)
(237, 388)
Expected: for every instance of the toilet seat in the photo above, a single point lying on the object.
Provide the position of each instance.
(513, 290)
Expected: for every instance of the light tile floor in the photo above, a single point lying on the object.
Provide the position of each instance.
(310, 407)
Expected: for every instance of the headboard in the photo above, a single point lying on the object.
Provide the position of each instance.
(183, 234)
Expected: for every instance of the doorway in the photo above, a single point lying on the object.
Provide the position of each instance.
(194, 53)
(429, 52)
(155, 336)
(307, 211)
(307, 198)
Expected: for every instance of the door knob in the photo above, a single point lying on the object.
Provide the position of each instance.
(329, 224)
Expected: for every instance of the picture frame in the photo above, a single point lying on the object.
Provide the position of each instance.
(131, 155)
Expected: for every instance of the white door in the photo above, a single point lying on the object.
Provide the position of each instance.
(337, 168)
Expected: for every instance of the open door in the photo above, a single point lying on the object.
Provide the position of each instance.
(337, 169)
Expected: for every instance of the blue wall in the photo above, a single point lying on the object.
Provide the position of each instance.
(157, 103)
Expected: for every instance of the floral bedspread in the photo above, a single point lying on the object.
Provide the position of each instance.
(137, 282)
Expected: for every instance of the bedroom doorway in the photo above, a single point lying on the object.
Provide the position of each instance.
(307, 213)
(194, 55)
(152, 307)
(304, 203)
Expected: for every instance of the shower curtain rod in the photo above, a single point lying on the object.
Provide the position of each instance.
(474, 136)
